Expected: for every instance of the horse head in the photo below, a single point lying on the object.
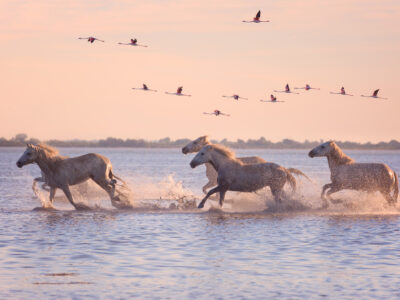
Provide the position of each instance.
(28, 157)
(202, 157)
(196, 145)
(322, 150)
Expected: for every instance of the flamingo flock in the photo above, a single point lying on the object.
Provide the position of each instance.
(236, 97)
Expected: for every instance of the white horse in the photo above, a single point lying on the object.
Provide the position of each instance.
(211, 173)
(347, 174)
(234, 175)
(61, 172)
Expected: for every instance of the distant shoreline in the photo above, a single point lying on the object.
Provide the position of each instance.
(20, 140)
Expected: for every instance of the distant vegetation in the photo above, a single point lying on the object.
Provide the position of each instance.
(262, 143)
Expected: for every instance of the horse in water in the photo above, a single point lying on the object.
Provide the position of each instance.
(234, 175)
(347, 174)
(61, 172)
(211, 173)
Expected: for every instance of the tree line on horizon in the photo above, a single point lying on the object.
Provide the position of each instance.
(20, 140)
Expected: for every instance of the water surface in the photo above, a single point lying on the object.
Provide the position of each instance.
(251, 249)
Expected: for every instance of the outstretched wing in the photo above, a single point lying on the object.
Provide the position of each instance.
(375, 94)
(258, 15)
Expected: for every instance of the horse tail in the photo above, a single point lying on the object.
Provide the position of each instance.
(298, 172)
(396, 187)
(112, 176)
(292, 180)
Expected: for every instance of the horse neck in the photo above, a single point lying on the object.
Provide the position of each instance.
(47, 164)
(338, 158)
(219, 160)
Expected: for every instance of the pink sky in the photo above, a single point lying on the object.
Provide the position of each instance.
(56, 86)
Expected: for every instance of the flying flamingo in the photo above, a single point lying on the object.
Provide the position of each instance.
(273, 99)
(375, 95)
(287, 90)
(307, 88)
(236, 97)
(342, 92)
(144, 88)
(178, 92)
(256, 19)
(216, 113)
(132, 43)
(90, 39)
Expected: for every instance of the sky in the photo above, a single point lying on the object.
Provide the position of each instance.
(56, 86)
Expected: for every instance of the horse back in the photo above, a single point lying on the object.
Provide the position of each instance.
(252, 160)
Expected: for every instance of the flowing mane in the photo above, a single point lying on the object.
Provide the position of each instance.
(224, 151)
(47, 152)
(339, 155)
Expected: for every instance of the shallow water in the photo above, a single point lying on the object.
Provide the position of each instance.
(251, 249)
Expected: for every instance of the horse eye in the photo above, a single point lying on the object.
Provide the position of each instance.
(322, 147)
(29, 154)
(202, 153)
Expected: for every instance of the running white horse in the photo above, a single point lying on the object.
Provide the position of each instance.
(61, 172)
(234, 175)
(211, 173)
(347, 174)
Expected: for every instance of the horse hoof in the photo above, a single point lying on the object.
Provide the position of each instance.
(82, 207)
(201, 205)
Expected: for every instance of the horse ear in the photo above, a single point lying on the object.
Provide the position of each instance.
(28, 145)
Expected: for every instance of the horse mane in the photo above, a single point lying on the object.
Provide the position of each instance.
(225, 151)
(339, 155)
(48, 153)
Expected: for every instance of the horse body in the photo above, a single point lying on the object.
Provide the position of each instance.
(234, 175)
(211, 173)
(246, 180)
(61, 172)
(348, 174)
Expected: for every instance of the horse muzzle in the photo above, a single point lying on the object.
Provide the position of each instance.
(185, 150)
(311, 154)
(19, 164)
(193, 164)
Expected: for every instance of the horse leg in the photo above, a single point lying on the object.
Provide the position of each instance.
(277, 193)
(109, 187)
(332, 190)
(212, 191)
(325, 203)
(388, 198)
(52, 195)
(208, 185)
(222, 197)
(68, 194)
